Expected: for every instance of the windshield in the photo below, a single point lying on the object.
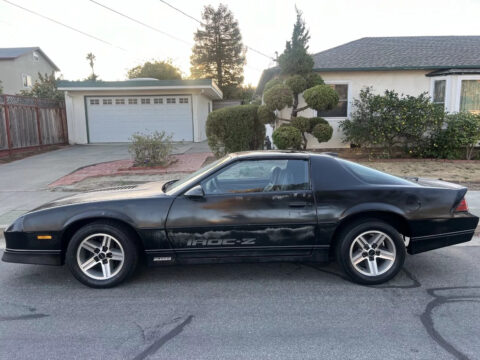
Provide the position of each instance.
(196, 175)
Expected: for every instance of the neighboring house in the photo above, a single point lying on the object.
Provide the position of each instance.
(446, 67)
(111, 111)
(19, 68)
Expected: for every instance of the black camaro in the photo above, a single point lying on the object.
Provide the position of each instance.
(252, 206)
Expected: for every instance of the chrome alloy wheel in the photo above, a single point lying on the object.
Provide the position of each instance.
(100, 256)
(372, 253)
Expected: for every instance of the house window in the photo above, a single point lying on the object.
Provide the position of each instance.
(145, 101)
(132, 101)
(171, 100)
(119, 101)
(439, 87)
(183, 101)
(26, 81)
(107, 101)
(158, 101)
(341, 109)
(470, 96)
(36, 58)
(94, 102)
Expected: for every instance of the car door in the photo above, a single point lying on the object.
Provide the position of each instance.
(252, 207)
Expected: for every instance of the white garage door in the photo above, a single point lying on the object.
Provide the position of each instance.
(115, 119)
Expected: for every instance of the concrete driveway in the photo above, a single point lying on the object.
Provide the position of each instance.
(23, 183)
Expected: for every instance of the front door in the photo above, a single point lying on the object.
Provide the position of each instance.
(250, 208)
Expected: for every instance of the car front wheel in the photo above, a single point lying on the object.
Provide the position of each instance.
(102, 254)
(370, 252)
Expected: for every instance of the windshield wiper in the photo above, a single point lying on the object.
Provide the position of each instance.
(167, 184)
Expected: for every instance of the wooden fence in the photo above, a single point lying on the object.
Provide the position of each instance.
(27, 122)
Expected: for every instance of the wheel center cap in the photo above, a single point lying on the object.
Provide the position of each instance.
(371, 252)
(101, 256)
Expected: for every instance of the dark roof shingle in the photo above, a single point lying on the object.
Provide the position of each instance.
(411, 52)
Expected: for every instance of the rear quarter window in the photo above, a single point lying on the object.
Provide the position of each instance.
(372, 176)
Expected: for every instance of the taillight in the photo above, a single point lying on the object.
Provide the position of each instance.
(463, 206)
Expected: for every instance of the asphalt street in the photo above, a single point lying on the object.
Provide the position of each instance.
(247, 311)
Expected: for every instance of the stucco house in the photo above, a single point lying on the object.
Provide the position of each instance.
(112, 111)
(19, 68)
(446, 67)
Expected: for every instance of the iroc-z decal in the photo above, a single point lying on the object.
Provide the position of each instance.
(220, 242)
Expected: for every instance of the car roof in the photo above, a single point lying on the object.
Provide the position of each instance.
(276, 154)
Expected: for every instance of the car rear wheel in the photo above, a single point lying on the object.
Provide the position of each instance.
(102, 254)
(370, 252)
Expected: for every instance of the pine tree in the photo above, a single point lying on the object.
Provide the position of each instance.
(218, 52)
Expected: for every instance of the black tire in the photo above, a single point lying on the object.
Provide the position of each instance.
(348, 235)
(122, 234)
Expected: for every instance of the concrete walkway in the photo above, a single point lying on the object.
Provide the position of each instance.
(23, 183)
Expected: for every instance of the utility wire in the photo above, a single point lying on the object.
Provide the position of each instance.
(140, 22)
(180, 11)
(202, 23)
(64, 25)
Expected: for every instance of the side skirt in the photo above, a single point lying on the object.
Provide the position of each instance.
(167, 257)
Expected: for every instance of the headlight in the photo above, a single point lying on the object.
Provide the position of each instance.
(17, 225)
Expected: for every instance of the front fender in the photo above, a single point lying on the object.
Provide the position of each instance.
(99, 213)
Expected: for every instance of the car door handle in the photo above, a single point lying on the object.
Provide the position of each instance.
(297, 204)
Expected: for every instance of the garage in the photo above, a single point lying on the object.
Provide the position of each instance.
(115, 119)
(112, 111)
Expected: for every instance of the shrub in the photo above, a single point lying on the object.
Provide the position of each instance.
(390, 120)
(151, 149)
(314, 121)
(278, 96)
(265, 115)
(321, 97)
(235, 128)
(287, 137)
(313, 79)
(296, 83)
(301, 123)
(323, 132)
(456, 139)
(272, 83)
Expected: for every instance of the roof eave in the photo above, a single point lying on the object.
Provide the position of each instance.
(217, 93)
(396, 68)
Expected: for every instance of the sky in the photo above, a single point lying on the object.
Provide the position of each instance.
(265, 26)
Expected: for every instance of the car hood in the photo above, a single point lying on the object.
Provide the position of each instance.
(148, 190)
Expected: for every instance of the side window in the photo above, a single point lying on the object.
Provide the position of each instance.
(259, 176)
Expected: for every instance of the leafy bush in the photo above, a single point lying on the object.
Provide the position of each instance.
(321, 97)
(151, 149)
(390, 120)
(296, 83)
(323, 132)
(456, 139)
(265, 115)
(313, 79)
(301, 123)
(278, 96)
(272, 83)
(314, 121)
(287, 137)
(235, 128)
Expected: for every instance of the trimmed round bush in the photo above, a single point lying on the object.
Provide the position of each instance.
(301, 123)
(321, 97)
(272, 83)
(235, 128)
(277, 97)
(296, 83)
(287, 137)
(322, 132)
(314, 121)
(265, 115)
(313, 79)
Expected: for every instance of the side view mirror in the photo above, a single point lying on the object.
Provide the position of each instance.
(195, 192)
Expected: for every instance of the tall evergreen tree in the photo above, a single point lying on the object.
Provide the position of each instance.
(218, 51)
(295, 58)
